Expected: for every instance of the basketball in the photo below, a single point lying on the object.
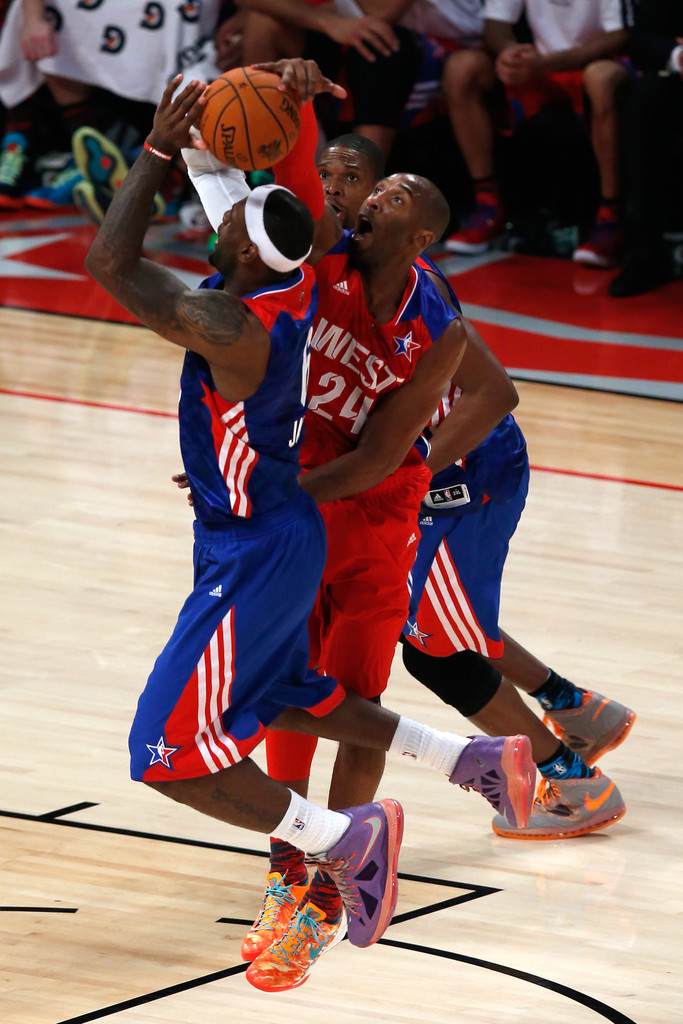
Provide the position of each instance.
(248, 122)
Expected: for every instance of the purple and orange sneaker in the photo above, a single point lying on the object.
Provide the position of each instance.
(363, 866)
(502, 769)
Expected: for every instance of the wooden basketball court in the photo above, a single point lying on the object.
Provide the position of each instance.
(116, 905)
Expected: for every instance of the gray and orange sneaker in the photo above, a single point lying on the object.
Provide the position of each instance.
(502, 769)
(596, 726)
(363, 867)
(565, 808)
(289, 961)
(279, 904)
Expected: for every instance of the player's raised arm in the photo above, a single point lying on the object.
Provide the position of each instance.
(298, 171)
(214, 323)
(394, 424)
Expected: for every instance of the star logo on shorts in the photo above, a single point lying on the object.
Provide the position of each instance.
(405, 346)
(416, 633)
(161, 754)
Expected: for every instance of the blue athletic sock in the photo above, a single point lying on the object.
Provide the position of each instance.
(564, 764)
(557, 693)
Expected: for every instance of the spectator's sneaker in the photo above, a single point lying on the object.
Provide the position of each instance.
(565, 808)
(502, 769)
(485, 224)
(94, 202)
(98, 160)
(605, 246)
(58, 193)
(288, 962)
(596, 726)
(15, 171)
(363, 867)
(279, 903)
(87, 200)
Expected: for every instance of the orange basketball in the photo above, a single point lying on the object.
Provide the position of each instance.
(248, 122)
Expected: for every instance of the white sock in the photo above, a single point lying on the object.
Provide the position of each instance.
(427, 747)
(310, 828)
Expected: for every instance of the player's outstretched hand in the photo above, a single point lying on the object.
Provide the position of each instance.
(176, 115)
(304, 76)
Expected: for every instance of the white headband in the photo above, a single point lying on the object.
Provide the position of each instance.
(256, 229)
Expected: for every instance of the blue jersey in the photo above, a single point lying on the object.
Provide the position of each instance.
(242, 458)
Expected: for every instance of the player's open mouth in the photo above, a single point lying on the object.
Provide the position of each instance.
(363, 227)
(337, 209)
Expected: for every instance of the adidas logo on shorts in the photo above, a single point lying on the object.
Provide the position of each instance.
(217, 591)
(342, 287)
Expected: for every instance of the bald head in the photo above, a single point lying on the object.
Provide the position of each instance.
(434, 211)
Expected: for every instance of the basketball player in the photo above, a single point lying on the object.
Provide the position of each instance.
(453, 641)
(237, 661)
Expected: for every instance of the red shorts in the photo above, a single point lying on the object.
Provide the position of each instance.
(560, 86)
(363, 598)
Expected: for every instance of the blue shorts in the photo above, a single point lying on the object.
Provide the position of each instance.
(456, 578)
(239, 653)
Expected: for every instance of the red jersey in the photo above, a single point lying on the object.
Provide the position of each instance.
(354, 360)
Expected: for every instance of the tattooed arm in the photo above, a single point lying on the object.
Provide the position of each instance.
(215, 324)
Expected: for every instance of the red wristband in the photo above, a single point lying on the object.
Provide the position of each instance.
(157, 152)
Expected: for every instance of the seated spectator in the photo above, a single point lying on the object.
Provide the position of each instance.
(655, 124)
(80, 49)
(377, 63)
(571, 58)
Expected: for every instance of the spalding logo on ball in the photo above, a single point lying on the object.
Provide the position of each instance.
(248, 121)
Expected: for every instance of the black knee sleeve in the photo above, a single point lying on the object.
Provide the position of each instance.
(464, 680)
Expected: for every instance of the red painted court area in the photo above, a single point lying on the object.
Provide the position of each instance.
(546, 319)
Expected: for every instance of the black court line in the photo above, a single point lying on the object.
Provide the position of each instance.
(474, 892)
(615, 1016)
(39, 910)
(51, 815)
(152, 997)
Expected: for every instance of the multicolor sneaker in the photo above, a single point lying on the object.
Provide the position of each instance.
(98, 159)
(288, 962)
(15, 171)
(103, 165)
(57, 193)
(279, 903)
(502, 769)
(94, 202)
(363, 867)
(485, 224)
(605, 246)
(565, 808)
(596, 726)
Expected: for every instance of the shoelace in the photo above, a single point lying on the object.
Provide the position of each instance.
(304, 928)
(546, 793)
(12, 162)
(276, 896)
(65, 177)
(340, 869)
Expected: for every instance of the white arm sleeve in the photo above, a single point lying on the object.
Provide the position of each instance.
(218, 186)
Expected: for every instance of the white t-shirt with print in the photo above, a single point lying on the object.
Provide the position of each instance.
(560, 24)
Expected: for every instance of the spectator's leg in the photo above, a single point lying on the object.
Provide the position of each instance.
(380, 89)
(467, 79)
(467, 82)
(265, 38)
(604, 82)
